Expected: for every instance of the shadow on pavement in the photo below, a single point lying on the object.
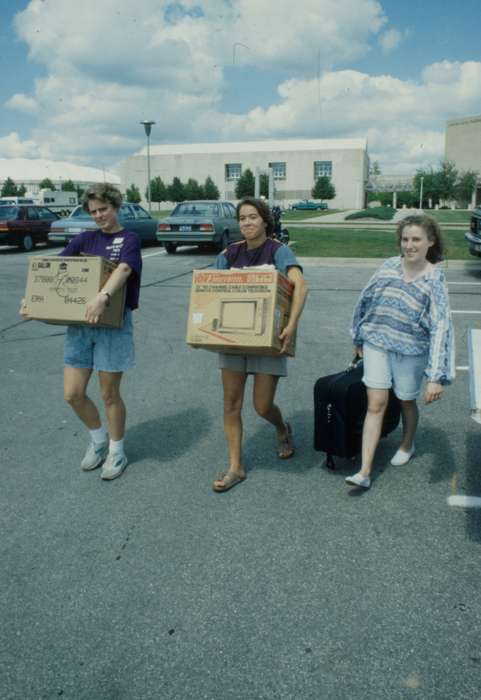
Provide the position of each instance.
(168, 437)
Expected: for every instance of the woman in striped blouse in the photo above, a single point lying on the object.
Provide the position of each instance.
(402, 329)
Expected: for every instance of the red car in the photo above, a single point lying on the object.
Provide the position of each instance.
(25, 225)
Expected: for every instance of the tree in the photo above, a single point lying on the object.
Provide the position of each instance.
(245, 185)
(9, 188)
(46, 184)
(132, 194)
(465, 186)
(374, 168)
(193, 190)
(211, 190)
(430, 185)
(323, 189)
(68, 186)
(21, 190)
(158, 191)
(80, 192)
(175, 191)
(447, 177)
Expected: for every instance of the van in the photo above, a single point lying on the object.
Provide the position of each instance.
(15, 201)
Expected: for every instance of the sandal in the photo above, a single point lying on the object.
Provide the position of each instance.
(286, 446)
(229, 479)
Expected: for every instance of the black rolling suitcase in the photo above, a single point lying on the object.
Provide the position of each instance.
(340, 405)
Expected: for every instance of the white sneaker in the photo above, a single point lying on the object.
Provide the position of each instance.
(401, 457)
(94, 456)
(113, 467)
(359, 480)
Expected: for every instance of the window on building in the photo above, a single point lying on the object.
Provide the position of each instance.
(233, 171)
(279, 170)
(322, 168)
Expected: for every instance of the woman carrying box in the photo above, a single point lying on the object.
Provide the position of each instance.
(109, 351)
(257, 248)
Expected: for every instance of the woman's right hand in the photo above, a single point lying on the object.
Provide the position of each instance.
(23, 311)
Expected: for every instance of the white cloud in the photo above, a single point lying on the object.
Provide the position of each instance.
(24, 103)
(109, 65)
(11, 146)
(391, 39)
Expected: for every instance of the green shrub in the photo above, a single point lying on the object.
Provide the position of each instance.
(382, 213)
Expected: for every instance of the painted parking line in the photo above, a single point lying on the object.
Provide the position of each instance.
(469, 284)
(151, 255)
(459, 501)
(467, 311)
(462, 368)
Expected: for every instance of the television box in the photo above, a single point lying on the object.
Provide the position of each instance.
(58, 289)
(239, 311)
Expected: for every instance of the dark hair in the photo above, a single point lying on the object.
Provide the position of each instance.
(103, 191)
(262, 209)
(432, 230)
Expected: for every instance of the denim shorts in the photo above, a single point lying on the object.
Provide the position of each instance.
(254, 364)
(383, 369)
(102, 349)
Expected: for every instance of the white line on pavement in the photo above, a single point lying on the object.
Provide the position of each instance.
(462, 368)
(465, 312)
(151, 255)
(470, 284)
(464, 501)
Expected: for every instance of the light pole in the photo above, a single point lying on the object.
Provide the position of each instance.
(148, 128)
(421, 193)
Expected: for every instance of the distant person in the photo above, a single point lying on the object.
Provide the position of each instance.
(109, 351)
(257, 248)
(403, 331)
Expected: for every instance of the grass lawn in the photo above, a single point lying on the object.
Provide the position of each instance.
(383, 213)
(293, 215)
(449, 216)
(366, 243)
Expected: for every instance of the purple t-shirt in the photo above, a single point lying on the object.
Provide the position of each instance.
(271, 252)
(123, 246)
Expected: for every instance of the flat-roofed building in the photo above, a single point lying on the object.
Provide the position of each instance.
(31, 171)
(296, 164)
(463, 147)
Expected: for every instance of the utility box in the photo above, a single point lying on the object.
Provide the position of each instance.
(239, 311)
(59, 287)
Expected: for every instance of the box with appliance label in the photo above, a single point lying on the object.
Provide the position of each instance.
(239, 311)
(58, 289)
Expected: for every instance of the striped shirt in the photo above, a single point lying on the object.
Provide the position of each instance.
(410, 318)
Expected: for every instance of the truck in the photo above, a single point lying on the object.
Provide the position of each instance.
(57, 200)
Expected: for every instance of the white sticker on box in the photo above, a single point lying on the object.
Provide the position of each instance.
(197, 318)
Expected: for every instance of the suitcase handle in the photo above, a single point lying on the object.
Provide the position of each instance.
(354, 363)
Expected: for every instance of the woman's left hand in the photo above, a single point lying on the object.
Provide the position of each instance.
(95, 308)
(433, 392)
(286, 337)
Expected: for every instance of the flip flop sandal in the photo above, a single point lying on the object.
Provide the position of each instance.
(286, 446)
(230, 479)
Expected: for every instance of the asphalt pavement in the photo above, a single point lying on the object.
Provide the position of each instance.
(290, 586)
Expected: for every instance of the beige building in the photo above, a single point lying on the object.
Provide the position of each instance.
(295, 165)
(463, 147)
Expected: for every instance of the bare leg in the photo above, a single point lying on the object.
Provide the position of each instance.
(233, 385)
(377, 400)
(75, 387)
(114, 405)
(410, 415)
(265, 386)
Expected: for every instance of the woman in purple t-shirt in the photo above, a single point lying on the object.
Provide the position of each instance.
(110, 351)
(258, 248)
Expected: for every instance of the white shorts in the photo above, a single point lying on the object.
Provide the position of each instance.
(384, 369)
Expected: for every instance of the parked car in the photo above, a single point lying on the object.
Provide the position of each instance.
(200, 223)
(132, 216)
(25, 225)
(473, 236)
(312, 206)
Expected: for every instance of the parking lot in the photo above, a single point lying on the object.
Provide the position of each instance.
(289, 586)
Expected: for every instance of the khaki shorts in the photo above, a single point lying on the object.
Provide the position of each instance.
(254, 364)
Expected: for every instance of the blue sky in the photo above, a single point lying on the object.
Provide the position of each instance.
(77, 79)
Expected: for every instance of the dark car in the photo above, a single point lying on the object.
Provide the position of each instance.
(473, 236)
(309, 206)
(132, 216)
(25, 225)
(203, 222)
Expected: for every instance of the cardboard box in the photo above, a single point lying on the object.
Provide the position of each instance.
(239, 311)
(58, 289)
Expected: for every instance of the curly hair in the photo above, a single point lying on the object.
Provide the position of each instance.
(262, 209)
(103, 191)
(432, 230)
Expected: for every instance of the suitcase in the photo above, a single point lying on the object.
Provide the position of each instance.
(340, 405)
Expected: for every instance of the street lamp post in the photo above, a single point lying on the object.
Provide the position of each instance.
(148, 128)
(421, 193)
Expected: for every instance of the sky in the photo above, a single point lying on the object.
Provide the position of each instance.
(78, 77)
